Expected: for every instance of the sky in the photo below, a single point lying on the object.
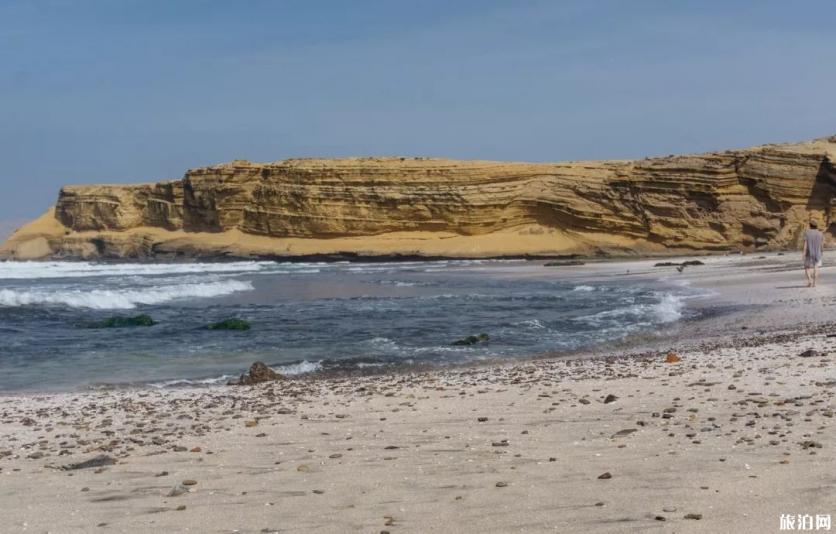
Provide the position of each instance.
(112, 91)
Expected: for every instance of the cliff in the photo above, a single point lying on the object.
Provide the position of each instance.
(750, 199)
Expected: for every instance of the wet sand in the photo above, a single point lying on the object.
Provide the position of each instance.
(737, 432)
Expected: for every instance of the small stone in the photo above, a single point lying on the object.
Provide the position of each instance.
(501, 484)
(605, 476)
(196, 449)
(810, 444)
(189, 482)
(610, 398)
(98, 461)
(693, 516)
(660, 518)
(318, 491)
(810, 353)
(481, 419)
(181, 507)
(584, 401)
(177, 490)
(161, 474)
(672, 357)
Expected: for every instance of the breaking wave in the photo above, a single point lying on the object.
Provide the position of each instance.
(28, 270)
(119, 299)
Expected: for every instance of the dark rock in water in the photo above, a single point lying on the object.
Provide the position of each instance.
(610, 398)
(565, 263)
(688, 263)
(98, 461)
(230, 324)
(258, 373)
(122, 322)
(810, 353)
(472, 340)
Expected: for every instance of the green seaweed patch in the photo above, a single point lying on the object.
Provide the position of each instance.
(123, 322)
(230, 324)
(472, 340)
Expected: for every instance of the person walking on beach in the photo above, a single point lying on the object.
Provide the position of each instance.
(812, 253)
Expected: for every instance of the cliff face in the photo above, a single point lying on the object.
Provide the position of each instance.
(757, 198)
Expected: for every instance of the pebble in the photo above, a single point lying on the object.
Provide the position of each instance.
(605, 476)
(177, 490)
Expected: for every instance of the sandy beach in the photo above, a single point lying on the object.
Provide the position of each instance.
(726, 434)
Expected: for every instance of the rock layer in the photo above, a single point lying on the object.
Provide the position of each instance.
(756, 198)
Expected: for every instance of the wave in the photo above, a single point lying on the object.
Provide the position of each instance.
(583, 288)
(119, 299)
(55, 269)
(668, 309)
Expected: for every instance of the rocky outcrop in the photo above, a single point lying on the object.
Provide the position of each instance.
(259, 372)
(757, 198)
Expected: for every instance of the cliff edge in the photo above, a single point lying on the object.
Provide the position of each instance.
(758, 198)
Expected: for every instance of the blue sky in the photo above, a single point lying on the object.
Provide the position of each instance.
(138, 90)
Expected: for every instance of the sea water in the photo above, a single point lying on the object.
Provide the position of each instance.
(305, 317)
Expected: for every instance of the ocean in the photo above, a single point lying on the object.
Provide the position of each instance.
(304, 317)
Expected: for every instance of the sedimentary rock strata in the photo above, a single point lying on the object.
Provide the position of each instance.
(756, 198)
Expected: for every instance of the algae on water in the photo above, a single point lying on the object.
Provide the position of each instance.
(472, 340)
(230, 324)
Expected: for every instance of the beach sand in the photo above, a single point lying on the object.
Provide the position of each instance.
(736, 433)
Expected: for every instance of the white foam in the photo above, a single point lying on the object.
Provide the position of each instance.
(300, 368)
(583, 288)
(186, 382)
(532, 323)
(56, 269)
(119, 299)
(669, 309)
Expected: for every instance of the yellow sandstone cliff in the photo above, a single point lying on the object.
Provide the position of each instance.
(756, 198)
